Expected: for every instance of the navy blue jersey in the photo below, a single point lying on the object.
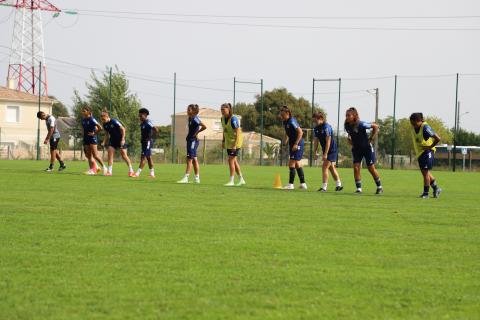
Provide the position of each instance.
(193, 127)
(428, 132)
(321, 133)
(89, 125)
(146, 129)
(359, 134)
(291, 126)
(113, 127)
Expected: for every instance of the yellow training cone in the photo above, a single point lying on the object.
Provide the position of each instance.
(278, 182)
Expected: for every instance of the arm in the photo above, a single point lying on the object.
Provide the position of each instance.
(299, 137)
(49, 135)
(223, 140)
(202, 128)
(122, 129)
(327, 147)
(95, 131)
(374, 132)
(349, 140)
(105, 139)
(436, 140)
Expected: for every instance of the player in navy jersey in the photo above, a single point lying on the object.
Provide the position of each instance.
(424, 142)
(52, 138)
(294, 134)
(362, 147)
(195, 126)
(146, 130)
(323, 133)
(115, 140)
(232, 141)
(90, 128)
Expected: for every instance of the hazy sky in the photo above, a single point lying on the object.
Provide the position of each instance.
(210, 56)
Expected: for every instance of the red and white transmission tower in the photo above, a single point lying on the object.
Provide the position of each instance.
(27, 49)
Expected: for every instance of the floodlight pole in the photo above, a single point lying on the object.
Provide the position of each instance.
(235, 81)
(456, 126)
(173, 116)
(393, 124)
(39, 104)
(110, 91)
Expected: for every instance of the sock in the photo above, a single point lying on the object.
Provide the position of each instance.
(378, 182)
(152, 171)
(358, 183)
(433, 184)
(61, 163)
(324, 186)
(232, 178)
(130, 168)
(110, 169)
(138, 172)
(291, 178)
(425, 189)
(301, 175)
(197, 176)
(240, 177)
(339, 183)
(187, 175)
(50, 166)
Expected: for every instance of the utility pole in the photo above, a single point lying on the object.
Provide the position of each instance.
(376, 118)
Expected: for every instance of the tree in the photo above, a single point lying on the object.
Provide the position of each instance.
(125, 105)
(467, 138)
(403, 134)
(272, 102)
(58, 108)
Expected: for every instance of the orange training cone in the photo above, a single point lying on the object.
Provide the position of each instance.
(278, 182)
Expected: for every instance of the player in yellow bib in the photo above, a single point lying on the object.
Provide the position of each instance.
(424, 142)
(232, 141)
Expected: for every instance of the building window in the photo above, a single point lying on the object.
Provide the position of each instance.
(12, 114)
(217, 125)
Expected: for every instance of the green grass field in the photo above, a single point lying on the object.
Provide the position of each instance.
(81, 247)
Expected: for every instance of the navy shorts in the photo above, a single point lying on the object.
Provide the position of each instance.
(425, 161)
(147, 148)
(368, 153)
(117, 144)
(192, 146)
(298, 154)
(90, 140)
(233, 152)
(54, 143)
(332, 156)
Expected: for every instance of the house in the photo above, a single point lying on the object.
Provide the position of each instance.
(213, 135)
(18, 119)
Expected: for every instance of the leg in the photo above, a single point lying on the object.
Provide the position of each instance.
(123, 153)
(376, 177)
(237, 167)
(325, 167)
(291, 169)
(142, 162)
(357, 176)
(150, 162)
(53, 154)
(94, 151)
(301, 175)
(196, 167)
(88, 155)
(189, 166)
(111, 153)
(426, 181)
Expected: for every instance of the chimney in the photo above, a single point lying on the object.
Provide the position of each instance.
(11, 84)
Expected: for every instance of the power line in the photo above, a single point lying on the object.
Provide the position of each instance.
(453, 17)
(280, 26)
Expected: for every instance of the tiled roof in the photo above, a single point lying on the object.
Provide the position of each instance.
(14, 95)
(204, 112)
